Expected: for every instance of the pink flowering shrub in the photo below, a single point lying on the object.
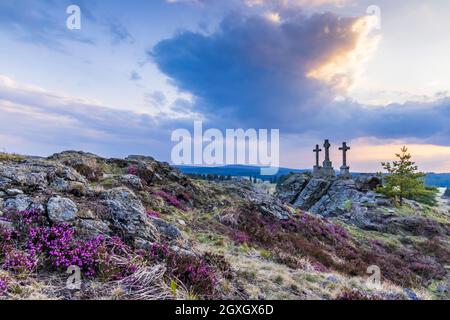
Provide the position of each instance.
(185, 196)
(171, 200)
(115, 260)
(63, 251)
(24, 220)
(35, 245)
(133, 170)
(19, 261)
(5, 241)
(3, 286)
(195, 272)
(159, 251)
(153, 214)
(323, 241)
(240, 237)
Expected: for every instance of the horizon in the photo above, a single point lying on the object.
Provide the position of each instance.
(134, 72)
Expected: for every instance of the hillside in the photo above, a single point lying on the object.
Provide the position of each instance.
(139, 229)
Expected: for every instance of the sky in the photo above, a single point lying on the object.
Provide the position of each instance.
(372, 73)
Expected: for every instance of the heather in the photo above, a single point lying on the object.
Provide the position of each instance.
(138, 229)
(330, 248)
(38, 247)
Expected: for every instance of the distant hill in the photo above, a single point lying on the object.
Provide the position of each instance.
(432, 179)
(438, 179)
(236, 171)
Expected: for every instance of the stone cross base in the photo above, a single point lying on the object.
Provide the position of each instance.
(345, 172)
(317, 171)
(328, 170)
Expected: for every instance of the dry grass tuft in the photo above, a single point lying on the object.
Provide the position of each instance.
(10, 157)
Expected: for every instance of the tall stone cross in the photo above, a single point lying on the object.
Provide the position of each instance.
(317, 150)
(327, 170)
(327, 146)
(344, 150)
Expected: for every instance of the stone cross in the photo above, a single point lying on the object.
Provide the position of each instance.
(327, 146)
(327, 170)
(317, 150)
(344, 150)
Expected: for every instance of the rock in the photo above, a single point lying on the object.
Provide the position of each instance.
(289, 189)
(312, 193)
(93, 228)
(128, 215)
(86, 164)
(2, 194)
(267, 204)
(416, 226)
(29, 174)
(6, 225)
(61, 210)
(367, 182)
(181, 222)
(166, 229)
(133, 181)
(20, 203)
(446, 194)
(411, 294)
(13, 192)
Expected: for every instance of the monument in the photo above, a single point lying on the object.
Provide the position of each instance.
(317, 168)
(345, 170)
(327, 170)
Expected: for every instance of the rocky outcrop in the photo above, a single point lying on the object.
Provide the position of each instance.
(97, 196)
(446, 194)
(329, 197)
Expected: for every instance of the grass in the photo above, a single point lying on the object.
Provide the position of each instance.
(425, 212)
(10, 157)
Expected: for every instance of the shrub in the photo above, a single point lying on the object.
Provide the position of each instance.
(171, 200)
(241, 238)
(63, 250)
(196, 273)
(329, 247)
(133, 170)
(23, 221)
(153, 214)
(115, 260)
(10, 157)
(354, 294)
(19, 261)
(3, 286)
(5, 240)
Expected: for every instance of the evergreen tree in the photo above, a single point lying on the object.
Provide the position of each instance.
(403, 181)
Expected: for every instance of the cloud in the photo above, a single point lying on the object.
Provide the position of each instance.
(43, 23)
(292, 75)
(262, 73)
(279, 3)
(39, 23)
(49, 122)
(119, 32)
(135, 76)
